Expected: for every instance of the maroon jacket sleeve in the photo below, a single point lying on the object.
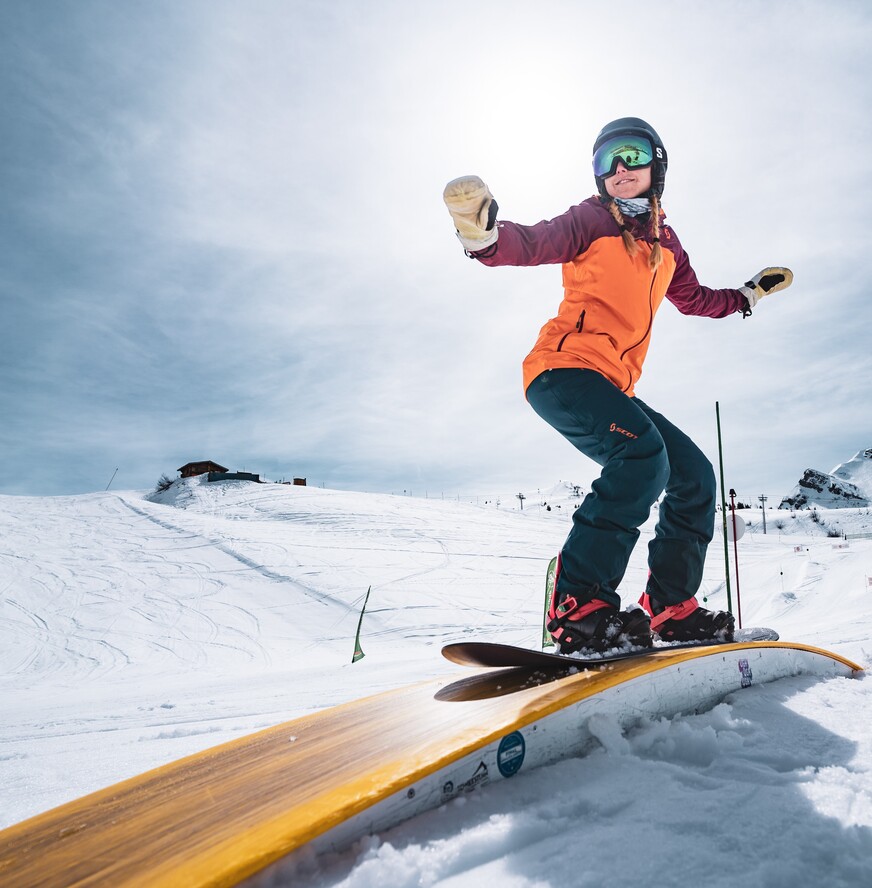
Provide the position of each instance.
(689, 296)
(551, 242)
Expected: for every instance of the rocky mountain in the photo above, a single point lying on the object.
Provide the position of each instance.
(848, 485)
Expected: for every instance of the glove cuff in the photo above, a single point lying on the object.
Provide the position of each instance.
(475, 244)
(750, 294)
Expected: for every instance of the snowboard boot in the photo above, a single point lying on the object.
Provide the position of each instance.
(687, 621)
(596, 626)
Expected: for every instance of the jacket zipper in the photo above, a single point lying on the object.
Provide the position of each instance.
(579, 325)
(630, 348)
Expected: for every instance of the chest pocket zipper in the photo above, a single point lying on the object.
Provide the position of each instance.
(579, 326)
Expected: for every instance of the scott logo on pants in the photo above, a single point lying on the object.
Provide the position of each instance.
(616, 428)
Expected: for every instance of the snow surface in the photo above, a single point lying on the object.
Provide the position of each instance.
(857, 470)
(134, 632)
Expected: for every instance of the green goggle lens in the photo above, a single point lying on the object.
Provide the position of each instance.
(634, 152)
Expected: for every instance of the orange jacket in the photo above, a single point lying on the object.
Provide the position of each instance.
(610, 299)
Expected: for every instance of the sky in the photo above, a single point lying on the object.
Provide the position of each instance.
(223, 235)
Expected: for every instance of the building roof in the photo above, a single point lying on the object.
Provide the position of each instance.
(207, 464)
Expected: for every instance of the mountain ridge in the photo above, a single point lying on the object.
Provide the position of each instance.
(848, 485)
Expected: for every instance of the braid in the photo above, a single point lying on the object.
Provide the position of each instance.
(656, 256)
(630, 244)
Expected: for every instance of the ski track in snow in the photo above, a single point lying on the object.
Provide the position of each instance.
(136, 630)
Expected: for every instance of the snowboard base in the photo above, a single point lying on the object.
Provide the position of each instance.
(496, 655)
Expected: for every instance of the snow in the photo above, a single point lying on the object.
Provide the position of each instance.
(857, 470)
(137, 630)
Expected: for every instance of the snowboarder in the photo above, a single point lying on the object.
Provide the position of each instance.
(620, 260)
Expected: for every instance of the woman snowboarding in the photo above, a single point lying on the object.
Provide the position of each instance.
(620, 261)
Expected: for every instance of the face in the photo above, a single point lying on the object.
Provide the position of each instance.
(628, 183)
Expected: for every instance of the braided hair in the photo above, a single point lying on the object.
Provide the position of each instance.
(630, 244)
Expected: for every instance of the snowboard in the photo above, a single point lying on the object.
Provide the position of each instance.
(494, 654)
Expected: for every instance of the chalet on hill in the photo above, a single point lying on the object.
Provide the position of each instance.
(191, 469)
(214, 472)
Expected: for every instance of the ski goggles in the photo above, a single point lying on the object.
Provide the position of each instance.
(634, 152)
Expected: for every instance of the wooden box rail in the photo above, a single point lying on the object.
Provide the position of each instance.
(222, 815)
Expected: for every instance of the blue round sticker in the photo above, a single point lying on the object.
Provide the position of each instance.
(510, 755)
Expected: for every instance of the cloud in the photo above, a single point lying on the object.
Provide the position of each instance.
(225, 237)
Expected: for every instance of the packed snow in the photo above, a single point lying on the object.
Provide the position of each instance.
(138, 628)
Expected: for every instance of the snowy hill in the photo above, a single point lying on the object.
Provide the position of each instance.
(848, 485)
(857, 470)
(137, 629)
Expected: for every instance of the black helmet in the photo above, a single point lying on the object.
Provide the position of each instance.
(635, 126)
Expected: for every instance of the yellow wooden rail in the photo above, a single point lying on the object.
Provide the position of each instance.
(224, 814)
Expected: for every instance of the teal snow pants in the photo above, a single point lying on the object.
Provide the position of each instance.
(641, 454)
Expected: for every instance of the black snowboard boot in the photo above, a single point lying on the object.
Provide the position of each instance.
(596, 626)
(687, 621)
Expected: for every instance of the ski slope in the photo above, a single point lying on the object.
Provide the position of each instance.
(133, 632)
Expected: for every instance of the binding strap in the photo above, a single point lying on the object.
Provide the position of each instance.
(569, 611)
(672, 612)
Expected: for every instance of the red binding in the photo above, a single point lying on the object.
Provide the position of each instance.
(672, 612)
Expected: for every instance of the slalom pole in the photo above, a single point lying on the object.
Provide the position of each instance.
(724, 510)
(736, 549)
(358, 650)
